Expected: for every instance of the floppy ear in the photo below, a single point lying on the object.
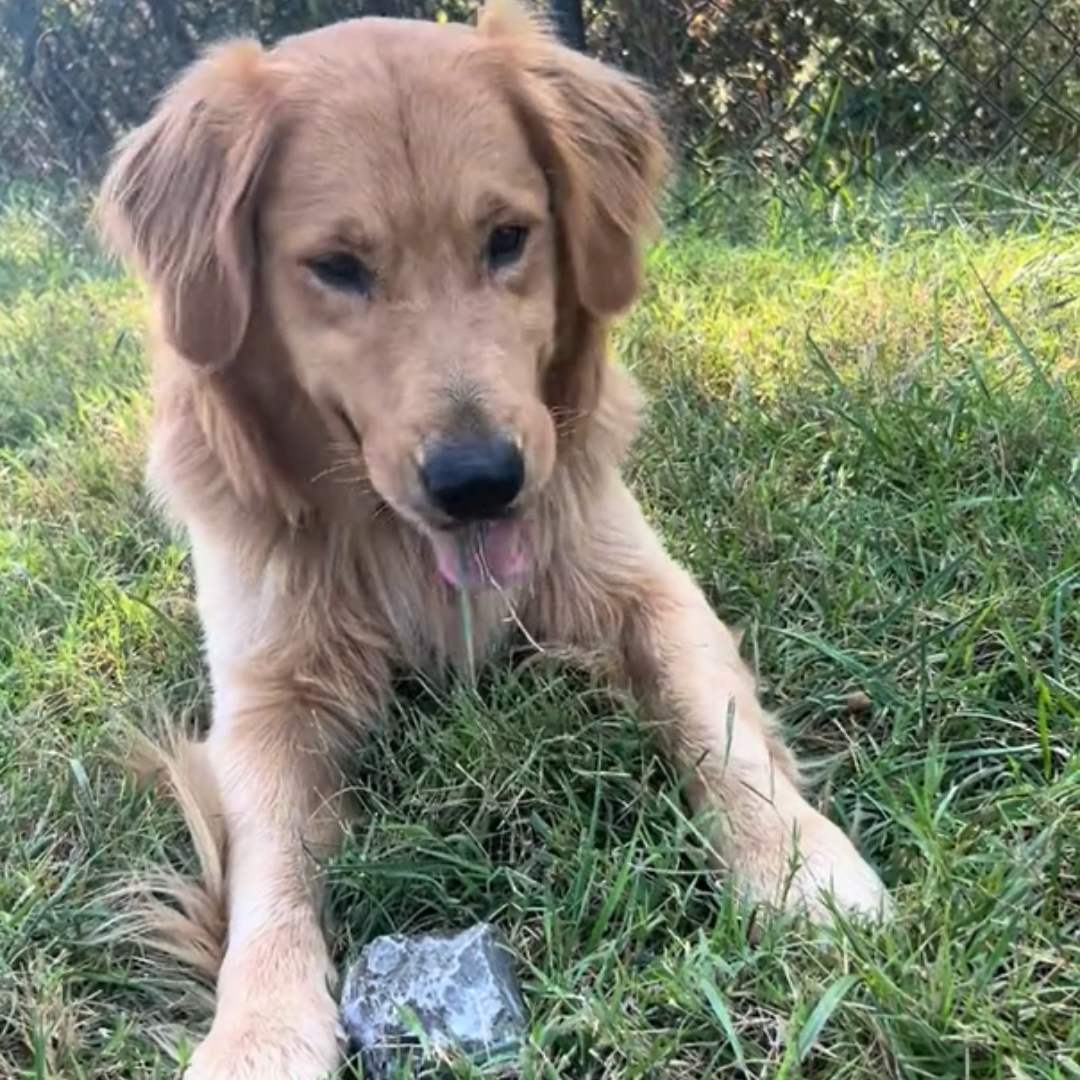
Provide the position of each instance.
(598, 136)
(601, 140)
(178, 200)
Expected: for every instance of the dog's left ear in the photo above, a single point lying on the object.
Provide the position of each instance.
(179, 199)
(599, 136)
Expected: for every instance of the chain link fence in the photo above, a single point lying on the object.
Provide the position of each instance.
(811, 93)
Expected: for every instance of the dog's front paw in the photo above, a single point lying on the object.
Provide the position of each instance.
(830, 875)
(271, 1045)
(814, 870)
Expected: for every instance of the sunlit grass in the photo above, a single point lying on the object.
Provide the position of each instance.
(865, 447)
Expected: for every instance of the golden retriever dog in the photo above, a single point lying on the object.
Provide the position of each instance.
(383, 257)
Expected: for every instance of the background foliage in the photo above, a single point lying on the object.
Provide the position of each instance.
(821, 91)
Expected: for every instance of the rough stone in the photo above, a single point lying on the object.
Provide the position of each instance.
(433, 997)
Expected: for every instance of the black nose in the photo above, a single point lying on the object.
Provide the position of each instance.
(473, 479)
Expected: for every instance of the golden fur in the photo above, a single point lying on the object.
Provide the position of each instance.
(288, 421)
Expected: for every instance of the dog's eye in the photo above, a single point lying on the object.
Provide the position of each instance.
(342, 271)
(505, 245)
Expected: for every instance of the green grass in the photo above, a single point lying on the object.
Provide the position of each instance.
(866, 445)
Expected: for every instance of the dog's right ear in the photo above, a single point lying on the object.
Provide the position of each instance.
(178, 200)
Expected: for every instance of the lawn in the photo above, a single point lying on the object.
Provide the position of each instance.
(865, 442)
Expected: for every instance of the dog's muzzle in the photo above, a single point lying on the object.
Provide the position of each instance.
(473, 479)
(474, 482)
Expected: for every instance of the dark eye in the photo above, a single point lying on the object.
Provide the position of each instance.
(505, 245)
(342, 271)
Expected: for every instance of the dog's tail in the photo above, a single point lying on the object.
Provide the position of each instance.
(166, 911)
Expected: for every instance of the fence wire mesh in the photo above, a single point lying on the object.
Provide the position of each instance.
(806, 92)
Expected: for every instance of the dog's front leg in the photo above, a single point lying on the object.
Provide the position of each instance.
(683, 665)
(276, 768)
(290, 704)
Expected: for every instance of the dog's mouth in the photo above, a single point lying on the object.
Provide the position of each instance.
(484, 554)
(489, 554)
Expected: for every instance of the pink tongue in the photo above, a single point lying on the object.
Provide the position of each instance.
(480, 555)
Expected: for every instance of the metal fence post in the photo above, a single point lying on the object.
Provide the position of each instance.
(569, 21)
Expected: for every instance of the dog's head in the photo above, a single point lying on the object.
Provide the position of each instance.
(435, 221)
